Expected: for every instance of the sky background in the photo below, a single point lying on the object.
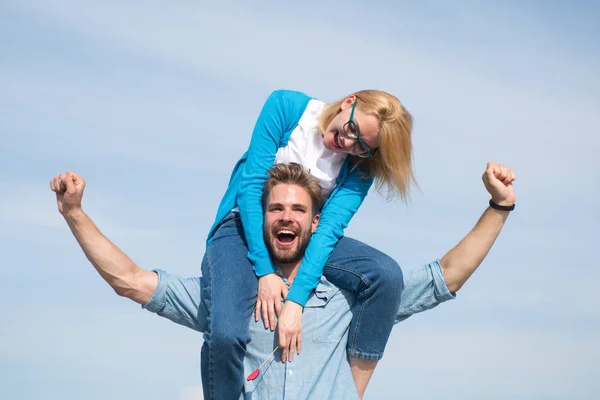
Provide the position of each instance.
(153, 103)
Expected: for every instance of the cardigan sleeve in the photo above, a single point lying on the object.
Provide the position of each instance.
(279, 115)
(335, 217)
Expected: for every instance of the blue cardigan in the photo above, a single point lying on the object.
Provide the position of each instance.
(278, 118)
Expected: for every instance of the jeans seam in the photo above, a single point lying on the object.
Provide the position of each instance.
(211, 386)
(364, 356)
(365, 281)
(360, 313)
(358, 324)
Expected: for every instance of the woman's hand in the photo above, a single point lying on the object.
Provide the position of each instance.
(289, 330)
(271, 292)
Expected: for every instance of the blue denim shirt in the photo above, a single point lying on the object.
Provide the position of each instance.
(322, 370)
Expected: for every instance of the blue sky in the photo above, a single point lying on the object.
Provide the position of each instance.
(153, 102)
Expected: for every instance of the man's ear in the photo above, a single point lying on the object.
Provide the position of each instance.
(315, 222)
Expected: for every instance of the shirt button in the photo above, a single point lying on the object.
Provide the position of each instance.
(291, 372)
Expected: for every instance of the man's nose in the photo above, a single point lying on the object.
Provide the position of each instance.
(287, 215)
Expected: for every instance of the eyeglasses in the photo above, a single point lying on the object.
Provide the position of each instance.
(351, 132)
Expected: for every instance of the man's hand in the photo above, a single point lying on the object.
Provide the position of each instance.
(271, 292)
(498, 180)
(289, 330)
(461, 261)
(118, 270)
(69, 191)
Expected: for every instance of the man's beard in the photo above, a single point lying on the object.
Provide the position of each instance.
(291, 255)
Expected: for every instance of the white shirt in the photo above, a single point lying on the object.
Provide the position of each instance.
(305, 147)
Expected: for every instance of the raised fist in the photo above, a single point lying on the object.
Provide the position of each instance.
(498, 179)
(69, 190)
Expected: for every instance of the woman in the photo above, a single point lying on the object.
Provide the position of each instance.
(348, 145)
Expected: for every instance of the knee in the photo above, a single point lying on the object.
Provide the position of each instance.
(388, 274)
(227, 336)
(229, 340)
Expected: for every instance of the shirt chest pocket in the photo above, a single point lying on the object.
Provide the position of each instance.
(327, 314)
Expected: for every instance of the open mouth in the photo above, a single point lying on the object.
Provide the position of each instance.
(285, 237)
(336, 142)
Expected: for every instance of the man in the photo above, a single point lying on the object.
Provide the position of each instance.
(320, 370)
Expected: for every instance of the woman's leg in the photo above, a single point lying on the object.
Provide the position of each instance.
(376, 279)
(362, 370)
(229, 294)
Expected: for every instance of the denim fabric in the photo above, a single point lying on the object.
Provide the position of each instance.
(228, 293)
(424, 289)
(322, 370)
(377, 281)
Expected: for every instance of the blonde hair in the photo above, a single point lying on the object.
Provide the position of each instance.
(294, 174)
(391, 165)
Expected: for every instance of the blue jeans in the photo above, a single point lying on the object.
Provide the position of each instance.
(229, 290)
(378, 283)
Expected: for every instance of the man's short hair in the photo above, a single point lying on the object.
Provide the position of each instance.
(294, 174)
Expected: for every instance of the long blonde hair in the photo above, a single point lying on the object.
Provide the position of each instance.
(391, 165)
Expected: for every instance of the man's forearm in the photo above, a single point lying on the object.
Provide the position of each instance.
(115, 267)
(460, 262)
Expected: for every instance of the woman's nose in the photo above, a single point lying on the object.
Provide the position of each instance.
(348, 144)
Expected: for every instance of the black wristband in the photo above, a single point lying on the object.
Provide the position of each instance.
(501, 208)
